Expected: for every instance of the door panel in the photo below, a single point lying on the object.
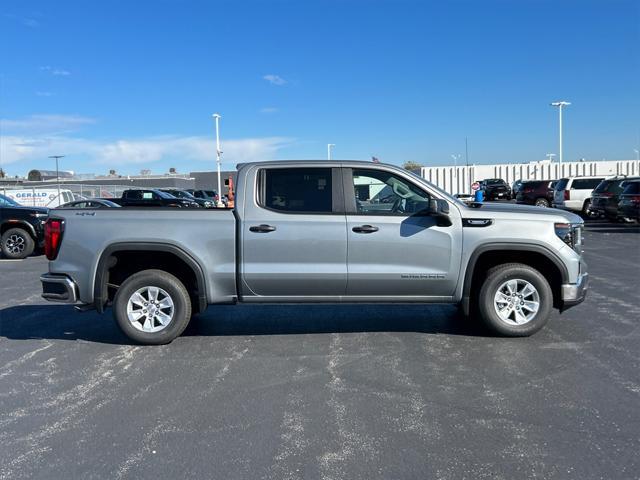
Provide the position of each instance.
(292, 247)
(409, 254)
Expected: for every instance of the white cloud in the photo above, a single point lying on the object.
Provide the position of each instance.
(58, 72)
(275, 79)
(268, 110)
(26, 21)
(49, 124)
(147, 150)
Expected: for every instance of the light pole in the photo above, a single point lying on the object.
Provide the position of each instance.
(637, 160)
(455, 170)
(57, 174)
(329, 149)
(217, 117)
(560, 104)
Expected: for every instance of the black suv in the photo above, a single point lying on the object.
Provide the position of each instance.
(606, 196)
(204, 203)
(629, 206)
(495, 189)
(152, 198)
(22, 228)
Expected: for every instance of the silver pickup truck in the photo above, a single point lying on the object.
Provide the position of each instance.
(318, 231)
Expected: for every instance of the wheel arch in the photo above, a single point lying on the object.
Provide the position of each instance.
(143, 256)
(23, 224)
(537, 256)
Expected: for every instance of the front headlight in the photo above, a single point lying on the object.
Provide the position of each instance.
(208, 204)
(571, 234)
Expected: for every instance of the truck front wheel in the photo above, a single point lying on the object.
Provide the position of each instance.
(152, 307)
(515, 300)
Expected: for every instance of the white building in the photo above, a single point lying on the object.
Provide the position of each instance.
(459, 180)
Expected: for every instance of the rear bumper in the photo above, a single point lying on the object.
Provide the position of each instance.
(59, 288)
(630, 211)
(575, 293)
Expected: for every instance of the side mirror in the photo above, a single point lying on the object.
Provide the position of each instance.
(438, 208)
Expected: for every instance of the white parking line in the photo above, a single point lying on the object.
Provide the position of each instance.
(11, 259)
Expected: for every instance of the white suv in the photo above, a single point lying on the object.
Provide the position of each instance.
(574, 193)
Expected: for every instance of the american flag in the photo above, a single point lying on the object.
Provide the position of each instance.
(375, 160)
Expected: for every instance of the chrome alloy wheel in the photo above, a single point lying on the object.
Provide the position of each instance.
(150, 309)
(15, 244)
(516, 302)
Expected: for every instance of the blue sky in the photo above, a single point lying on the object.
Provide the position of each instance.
(131, 85)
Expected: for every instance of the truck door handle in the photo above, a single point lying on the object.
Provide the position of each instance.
(365, 229)
(262, 228)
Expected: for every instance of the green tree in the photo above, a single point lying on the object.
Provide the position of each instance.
(410, 165)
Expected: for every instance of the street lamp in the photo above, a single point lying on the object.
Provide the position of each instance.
(550, 156)
(329, 149)
(455, 170)
(57, 174)
(217, 117)
(560, 104)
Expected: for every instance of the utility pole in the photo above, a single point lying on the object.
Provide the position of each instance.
(466, 152)
(560, 104)
(217, 118)
(57, 175)
(329, 148)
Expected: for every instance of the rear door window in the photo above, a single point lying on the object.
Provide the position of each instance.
(585, 183)
(296, 190)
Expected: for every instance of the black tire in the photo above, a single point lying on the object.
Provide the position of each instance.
(178, 295)
(587, 212)
(496, 277)
(542, 202)
(17, 243)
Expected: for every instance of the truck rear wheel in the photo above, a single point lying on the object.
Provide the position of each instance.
(17, 243)
(152, 307)
(515, 300)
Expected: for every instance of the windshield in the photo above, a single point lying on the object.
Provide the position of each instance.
(179, 193)
(562, 184)
(7, 202)
(602, 186)
(162, 194)
(631, 188)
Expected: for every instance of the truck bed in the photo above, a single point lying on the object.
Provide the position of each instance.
(206, 235)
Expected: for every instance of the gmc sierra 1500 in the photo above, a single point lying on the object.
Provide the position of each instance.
(318, 231)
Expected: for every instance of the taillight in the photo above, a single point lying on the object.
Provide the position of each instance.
(566, 195)
(606, 194)
(635, 199)
(528, 190)
(53, 230)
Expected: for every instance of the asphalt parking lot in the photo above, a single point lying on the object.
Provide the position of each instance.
(333, 392)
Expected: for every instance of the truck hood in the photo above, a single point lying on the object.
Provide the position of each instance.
(506, 210)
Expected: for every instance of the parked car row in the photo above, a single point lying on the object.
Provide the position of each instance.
(589, 195)
(615, 198)
(22, 226)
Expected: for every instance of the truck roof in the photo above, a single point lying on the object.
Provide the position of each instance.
(331, 163)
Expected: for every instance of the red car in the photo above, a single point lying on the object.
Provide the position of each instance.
(536, 192)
